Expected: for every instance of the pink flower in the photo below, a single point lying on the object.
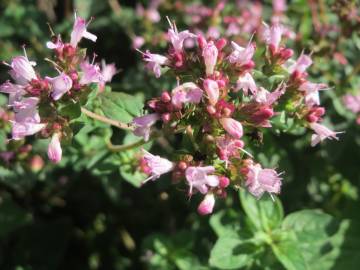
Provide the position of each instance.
(79, 31)
(143, 125)
(26, 110)
(251, 15)
(151, 12)
(261, 116)
(272, 35)
(265, 97)
(22, 129)
(246, 83)
(352, 102)
(312, 92)
(199, 178)
(54, 149)
(60, 85)
(15, 91)
(260, 180)
(27, 119)
(322, 133)
(233, 127)
(301, 64)
(153, 15)
(138, 42)
(177, 39)
(212, 90)
(154, 62)
(107, 71)
(241, 56)
(186, 93)
(228, 147)
(25, 104)
(22, 70)
(207, 205)
(210, 54)
(156, 166)
(314, 114)
(57, 44)
(213, 32)
(91, 73)
(233, 29)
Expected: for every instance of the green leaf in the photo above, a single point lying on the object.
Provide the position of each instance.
(232, 253)
(3, 100)
(120, 106)
(226, 222)
(287, 251)
(188, 261)
(70, 109)
(171, 250)
(2, 140)
(76, 126)
(325, 242)
(264, 213)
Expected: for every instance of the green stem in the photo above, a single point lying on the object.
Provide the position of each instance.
(124, 147)
(106, 120)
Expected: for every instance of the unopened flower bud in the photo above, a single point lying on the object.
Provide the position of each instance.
(166, 117)
(272, 49)
(221, 43)
(56, 126)
(262, 115)
(286, 54)
(165, 96)
(201, 41)
(207, 205)
(227, 112)
(221, 83)
(210, 54)
(249, 65)
(233, 127)
(212, 90)
(152, 104)
(69, 51)
(224, 182)
(211, 109)
(73, 75)
(182, 165)
(244, 170)
(239, 144)
(311, 118)
(36, 163)
(320, 111)
(54, 149)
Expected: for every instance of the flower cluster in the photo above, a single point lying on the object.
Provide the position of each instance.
(37, 101)
(232, 19)
(219, 103)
